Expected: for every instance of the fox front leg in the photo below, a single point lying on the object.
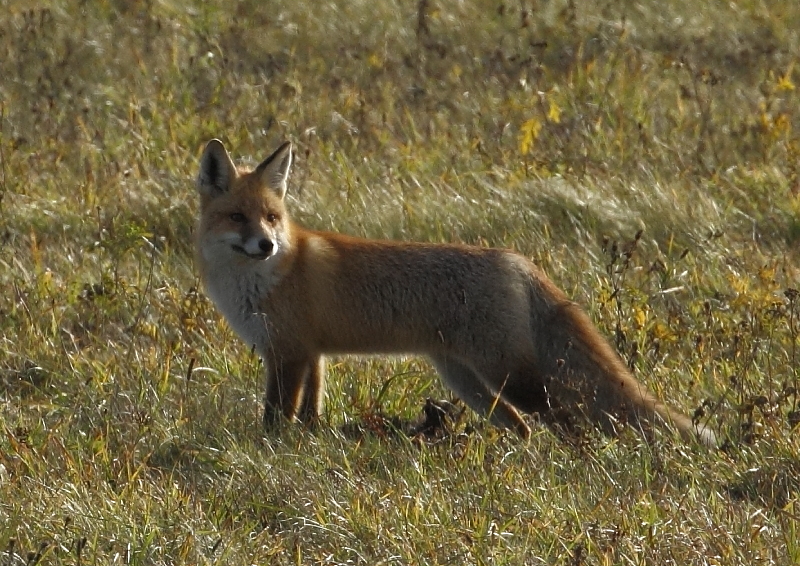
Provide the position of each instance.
(285, 381)
(313, 393)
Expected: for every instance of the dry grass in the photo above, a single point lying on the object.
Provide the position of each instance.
(129, 413)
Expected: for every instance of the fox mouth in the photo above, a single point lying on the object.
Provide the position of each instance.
(258, 256)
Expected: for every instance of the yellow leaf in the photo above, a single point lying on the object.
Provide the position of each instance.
(555, 113)
(740, 285)
(641, 318)
(663, 332)
(766, 275)
(528, 134)
(785, 82)
(782, 123)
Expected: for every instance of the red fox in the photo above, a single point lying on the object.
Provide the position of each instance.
(502, 336)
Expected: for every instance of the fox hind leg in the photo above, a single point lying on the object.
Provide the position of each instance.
(470, 388)
(530, 392)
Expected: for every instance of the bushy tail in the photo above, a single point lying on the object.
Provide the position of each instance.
(583, 375)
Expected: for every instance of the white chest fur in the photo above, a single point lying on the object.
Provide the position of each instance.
(237, 293)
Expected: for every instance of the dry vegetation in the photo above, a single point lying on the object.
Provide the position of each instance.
(129, 413)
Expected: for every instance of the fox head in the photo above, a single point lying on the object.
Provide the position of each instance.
(242, 213)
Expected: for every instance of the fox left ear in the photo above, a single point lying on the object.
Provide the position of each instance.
(217, 171)
(274, 170)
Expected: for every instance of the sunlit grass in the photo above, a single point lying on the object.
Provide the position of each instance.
(129, 412)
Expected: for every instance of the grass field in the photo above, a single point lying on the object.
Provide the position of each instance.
(129, 412)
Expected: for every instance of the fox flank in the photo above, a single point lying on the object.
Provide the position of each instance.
(501, 335)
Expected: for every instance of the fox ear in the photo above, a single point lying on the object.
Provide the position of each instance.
(217, 171)
(274, 170)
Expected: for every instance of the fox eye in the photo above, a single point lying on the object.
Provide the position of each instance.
(238, 217)
(271, 218)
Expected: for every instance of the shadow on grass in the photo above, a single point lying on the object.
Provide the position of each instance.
(772, 485)
(439, 420)
(191, 461)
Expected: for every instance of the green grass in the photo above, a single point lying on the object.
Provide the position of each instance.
(129, 412)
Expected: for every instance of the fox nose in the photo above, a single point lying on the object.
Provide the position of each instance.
(265, 245)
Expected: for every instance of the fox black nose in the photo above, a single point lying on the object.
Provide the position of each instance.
(265, 245)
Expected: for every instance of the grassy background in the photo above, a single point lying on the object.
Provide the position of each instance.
(129, 413)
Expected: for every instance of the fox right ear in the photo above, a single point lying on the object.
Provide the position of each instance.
(217, 171)
(274, 170)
